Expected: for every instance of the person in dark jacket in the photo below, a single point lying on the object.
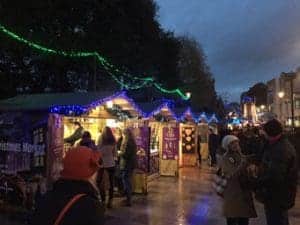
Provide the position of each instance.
(78, 180)
(86, 140)
(128, 162)
(213, 144)
(76, 135)
(277, 176)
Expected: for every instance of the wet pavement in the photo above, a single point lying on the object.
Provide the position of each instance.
(187, 200)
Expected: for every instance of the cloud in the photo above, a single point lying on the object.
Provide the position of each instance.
(247, 41)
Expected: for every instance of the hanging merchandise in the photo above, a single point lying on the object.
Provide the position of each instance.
(133, 82)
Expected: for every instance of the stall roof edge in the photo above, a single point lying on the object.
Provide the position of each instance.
(43, 101)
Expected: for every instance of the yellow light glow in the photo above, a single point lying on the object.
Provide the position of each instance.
(109, 104)
(281, 94)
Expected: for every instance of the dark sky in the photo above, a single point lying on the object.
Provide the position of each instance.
(246, 41)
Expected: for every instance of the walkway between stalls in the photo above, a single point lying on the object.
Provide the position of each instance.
(188, 200)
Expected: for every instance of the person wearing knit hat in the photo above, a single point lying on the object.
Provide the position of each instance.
(238, 204)
(277, 175)
(75, 197)
(273, 128)
(227, 140)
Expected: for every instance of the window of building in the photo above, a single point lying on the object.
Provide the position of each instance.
(297, 103)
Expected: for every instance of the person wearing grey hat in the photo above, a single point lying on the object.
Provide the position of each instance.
(238, 204)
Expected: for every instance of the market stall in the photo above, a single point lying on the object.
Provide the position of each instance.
(188, 139)
(165, 140)
(33, 129)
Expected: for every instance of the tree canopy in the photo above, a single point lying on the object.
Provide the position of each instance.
(127, 33)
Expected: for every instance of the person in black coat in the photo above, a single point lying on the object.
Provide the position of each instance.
(78, 180)
(213, 145)
(76, 135)
(277, 175)
(87, 141)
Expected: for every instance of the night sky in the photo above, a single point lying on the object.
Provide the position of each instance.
(246, 41)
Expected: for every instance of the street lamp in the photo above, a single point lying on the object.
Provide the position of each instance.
(280, 94)
(262, 107)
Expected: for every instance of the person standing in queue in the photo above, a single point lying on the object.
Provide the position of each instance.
(128, 162)
(86, 140)
(74, 199)
(109, 155)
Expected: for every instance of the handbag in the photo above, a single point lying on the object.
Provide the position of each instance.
(67, 207)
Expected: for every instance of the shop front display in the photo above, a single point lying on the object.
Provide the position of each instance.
(155, 135)
(188, 145)
(203, 134)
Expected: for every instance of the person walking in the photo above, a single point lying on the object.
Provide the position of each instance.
(277, 175)
(238, 204)
(128, 162)
(109, 156)
(199, 150)
(74, 199)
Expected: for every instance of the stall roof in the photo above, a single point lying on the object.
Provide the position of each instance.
(46, 100)
(149, 107)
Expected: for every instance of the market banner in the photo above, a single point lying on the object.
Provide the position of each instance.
(142, 138)
(188, 136)
(170, 143)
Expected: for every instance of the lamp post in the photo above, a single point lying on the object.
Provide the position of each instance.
(292, 103)
(280, 95)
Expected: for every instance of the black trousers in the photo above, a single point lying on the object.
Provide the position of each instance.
(111, 175)
(237, 221)
(276, 216)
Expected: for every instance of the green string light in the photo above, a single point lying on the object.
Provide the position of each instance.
(139, 82)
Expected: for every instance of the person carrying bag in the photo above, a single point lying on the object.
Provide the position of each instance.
(75, 198)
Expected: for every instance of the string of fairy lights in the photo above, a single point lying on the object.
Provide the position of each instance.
(133, 82)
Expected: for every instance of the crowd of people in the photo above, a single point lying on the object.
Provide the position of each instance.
(79, 195)
(256, 161)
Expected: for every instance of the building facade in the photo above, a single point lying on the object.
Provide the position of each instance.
(284, 98)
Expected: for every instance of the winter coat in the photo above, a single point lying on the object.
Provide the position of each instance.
(238, 200)
(86, 210)
(213, 143)
(128, 157)
(277, 181)
(108, 153)
(75, 136)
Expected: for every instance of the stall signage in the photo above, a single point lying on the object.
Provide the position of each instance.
(170, 143)
(142, 138)
(21, 147)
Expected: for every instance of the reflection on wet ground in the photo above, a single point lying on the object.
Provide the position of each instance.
(187, 200)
